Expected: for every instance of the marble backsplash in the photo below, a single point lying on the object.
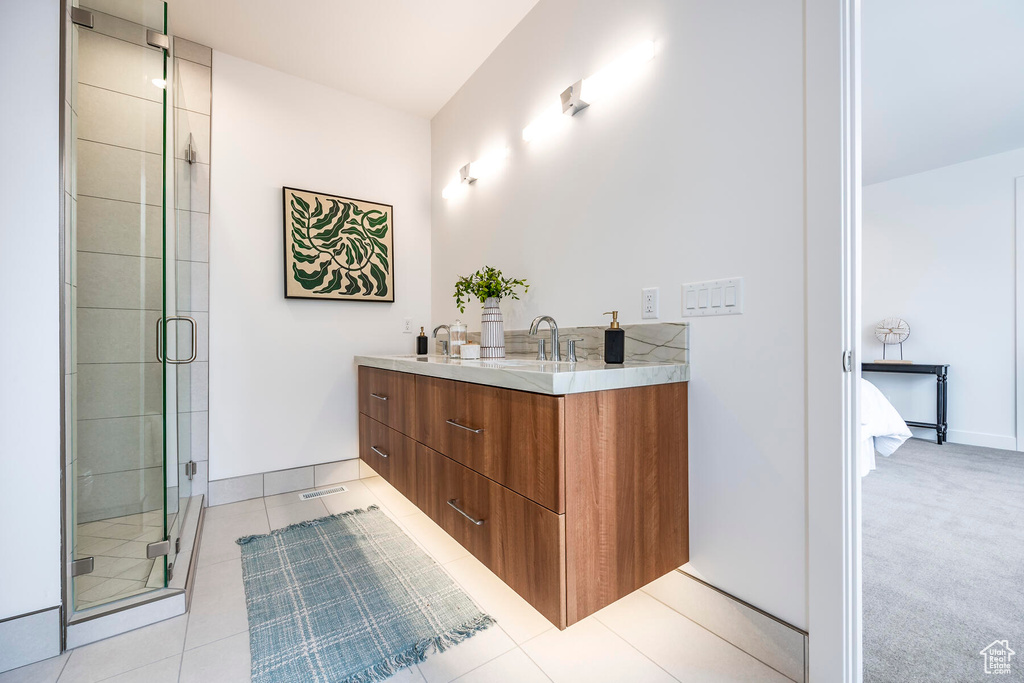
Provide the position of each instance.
(654, 342)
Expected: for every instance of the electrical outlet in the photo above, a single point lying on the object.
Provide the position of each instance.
(407, 326)
(649, 303)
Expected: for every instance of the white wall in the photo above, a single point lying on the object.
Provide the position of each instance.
(282, 382)
(30, 562)
(694, 172)
(920, 59)
(939, 252)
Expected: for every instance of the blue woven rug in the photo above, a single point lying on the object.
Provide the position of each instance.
(348, 598)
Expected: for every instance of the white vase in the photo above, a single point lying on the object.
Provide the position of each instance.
(492, 331)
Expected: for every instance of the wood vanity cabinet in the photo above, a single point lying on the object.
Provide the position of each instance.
(520, 541)
(512, 437)
(388, 397)
(390, 454)
(573, 501)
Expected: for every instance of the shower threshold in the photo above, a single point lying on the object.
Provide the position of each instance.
(141, 601)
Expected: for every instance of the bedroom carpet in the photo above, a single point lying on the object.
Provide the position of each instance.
(943, 562)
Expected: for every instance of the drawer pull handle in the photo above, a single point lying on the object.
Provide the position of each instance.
(379, 397)
(452, 503)
(378, 451)
(453, 423)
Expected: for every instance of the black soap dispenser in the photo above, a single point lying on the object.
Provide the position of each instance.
(614, 341)
(421, 343)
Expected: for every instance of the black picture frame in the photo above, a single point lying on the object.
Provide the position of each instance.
(381, 250)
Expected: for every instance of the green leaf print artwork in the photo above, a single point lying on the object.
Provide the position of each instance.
(337, 247)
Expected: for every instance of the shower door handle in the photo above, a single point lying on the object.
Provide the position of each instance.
(160, 324)
(195, 340)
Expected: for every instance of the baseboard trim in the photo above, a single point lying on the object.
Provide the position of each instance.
(1006, 443)
(761, 635)
(260, 484)
(29, 638)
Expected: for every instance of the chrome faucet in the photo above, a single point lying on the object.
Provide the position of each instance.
(571, 349)
(556, 354)
(444, 344)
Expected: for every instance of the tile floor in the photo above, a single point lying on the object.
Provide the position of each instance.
(636, 639)
(120, 566)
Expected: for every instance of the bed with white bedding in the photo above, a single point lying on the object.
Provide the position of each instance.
(881, 427)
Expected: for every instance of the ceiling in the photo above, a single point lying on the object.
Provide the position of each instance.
(941, 79)
(412, 55)
(942, 83)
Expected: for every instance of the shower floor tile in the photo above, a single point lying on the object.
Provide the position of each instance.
(120, 566)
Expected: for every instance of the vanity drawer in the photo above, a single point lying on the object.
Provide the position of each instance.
(436, 401)
(535, 466)
(512, 437)
(520, 541)
(391, 454)
(388, 397)
(475, 430)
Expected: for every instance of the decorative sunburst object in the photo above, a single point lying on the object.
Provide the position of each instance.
(892, 331)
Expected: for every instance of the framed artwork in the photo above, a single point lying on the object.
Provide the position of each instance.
(337, 248)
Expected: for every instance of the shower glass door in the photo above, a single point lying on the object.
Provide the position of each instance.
(183, 327)
(117, 192)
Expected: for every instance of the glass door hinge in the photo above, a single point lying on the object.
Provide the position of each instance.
(158, 549)
(82, 566)
(158, 40)
(81, 17)
(190, 469)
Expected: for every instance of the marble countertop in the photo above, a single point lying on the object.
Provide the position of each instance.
(543, 377)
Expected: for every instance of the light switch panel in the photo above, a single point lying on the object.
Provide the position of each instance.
(716, 297)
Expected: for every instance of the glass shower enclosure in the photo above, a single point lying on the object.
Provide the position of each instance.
(127, 465)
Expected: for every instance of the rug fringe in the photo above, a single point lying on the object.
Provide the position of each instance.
(388, 667)
(308, 523)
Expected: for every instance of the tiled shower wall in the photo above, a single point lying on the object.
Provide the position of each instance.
(114, 284)
(116, 233)
(192, 99)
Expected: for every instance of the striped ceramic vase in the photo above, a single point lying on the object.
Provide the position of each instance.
(492, 331)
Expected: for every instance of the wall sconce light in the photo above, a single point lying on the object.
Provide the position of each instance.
(473, 171)
(572, 99)
(587, 91)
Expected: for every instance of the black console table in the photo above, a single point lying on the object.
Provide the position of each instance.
(940, 372)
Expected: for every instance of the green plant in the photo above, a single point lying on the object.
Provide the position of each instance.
(484, 284)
